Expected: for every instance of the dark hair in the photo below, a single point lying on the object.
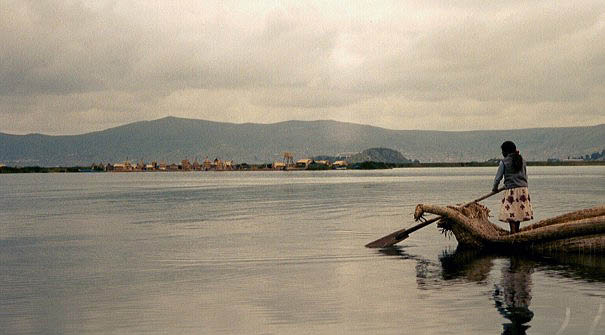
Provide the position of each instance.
(509, 148)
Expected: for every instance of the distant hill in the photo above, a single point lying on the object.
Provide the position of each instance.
(382, 155)
(173, 139)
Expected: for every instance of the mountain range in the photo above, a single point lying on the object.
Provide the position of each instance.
(172, 139)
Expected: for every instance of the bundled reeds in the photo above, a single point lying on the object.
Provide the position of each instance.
(580, 231)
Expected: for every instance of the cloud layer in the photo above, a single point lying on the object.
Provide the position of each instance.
(77, 66)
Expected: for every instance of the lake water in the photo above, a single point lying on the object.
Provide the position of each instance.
(281, 253)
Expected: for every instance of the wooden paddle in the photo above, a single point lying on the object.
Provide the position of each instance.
(402, 234)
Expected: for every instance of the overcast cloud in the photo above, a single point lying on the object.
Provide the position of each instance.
(76, 66)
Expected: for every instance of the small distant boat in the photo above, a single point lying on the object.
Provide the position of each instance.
(582, 231)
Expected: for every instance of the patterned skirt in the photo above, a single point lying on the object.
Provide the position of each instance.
(516, 205)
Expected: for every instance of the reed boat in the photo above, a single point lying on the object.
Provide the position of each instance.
(582, 231)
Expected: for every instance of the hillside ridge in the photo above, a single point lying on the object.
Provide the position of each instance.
(172, 139)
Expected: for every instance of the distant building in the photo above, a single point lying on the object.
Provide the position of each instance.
(279, 165)
(123, 167)
(196, 166)
(206, 165)
(340, 164)
(303, 163)
(185, 165)
(217, 164)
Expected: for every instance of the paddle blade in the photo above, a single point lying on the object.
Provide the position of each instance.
(402, 234)
(389, 240)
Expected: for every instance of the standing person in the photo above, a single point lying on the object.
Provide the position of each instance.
(516, 204)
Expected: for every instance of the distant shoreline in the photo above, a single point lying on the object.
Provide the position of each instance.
(481, 164)
(263, 167)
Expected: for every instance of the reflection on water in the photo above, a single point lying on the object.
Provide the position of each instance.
(512, 294)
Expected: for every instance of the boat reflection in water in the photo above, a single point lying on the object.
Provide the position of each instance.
(511, 295)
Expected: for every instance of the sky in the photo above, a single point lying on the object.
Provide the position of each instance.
(71, 67)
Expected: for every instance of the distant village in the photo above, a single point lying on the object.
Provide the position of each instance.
(221, 165)
(374, 158)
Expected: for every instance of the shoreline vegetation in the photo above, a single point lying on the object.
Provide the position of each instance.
(368, 165)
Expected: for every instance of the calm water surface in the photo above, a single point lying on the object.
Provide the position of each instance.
(281, 253)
